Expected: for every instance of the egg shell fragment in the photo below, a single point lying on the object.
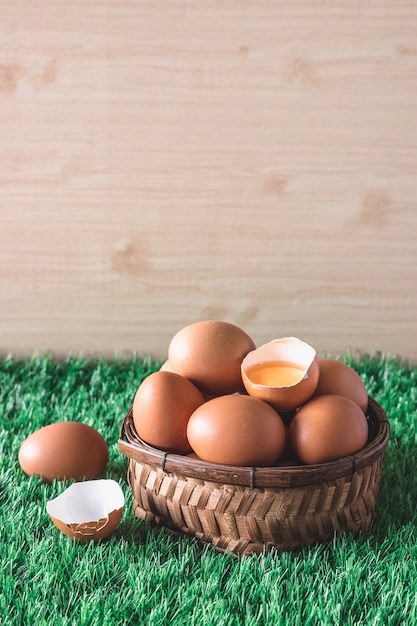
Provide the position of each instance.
(209, 353)
(162, 407)
(63, 451)
(338, 378)
(89, 510)
(328, 428)
(237, 430)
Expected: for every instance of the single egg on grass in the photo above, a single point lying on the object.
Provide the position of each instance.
(64, 451)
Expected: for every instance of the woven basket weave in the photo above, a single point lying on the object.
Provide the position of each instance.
(247, 510)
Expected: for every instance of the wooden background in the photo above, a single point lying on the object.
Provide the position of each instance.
(164, 162)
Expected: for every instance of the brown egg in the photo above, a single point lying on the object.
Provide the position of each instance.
(288, 452)
(283, 372)
(64, 450)
(193, 455)
(209, 353)
(327, 428)
(336, 377)
(237, 430)
(162, 407)
(166, 367)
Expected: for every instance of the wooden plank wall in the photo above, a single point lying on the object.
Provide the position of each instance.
(163, 162)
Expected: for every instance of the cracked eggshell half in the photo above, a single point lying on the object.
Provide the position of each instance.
(284, 373)
(88, 510)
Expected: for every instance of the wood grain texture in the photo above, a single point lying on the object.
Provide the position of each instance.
(164, 162)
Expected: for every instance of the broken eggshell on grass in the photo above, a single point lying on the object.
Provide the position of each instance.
(88, 510)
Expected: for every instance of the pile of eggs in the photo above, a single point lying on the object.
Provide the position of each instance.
(221, 399)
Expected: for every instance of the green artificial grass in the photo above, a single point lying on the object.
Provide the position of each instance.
(143, 575)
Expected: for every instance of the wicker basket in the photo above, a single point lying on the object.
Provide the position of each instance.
(247, 510)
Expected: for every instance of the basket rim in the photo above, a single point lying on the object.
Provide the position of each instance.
(131, 446)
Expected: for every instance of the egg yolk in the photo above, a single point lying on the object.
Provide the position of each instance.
(276, 373)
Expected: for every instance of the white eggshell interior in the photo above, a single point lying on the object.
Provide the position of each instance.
(287, 349)
(87, 501)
